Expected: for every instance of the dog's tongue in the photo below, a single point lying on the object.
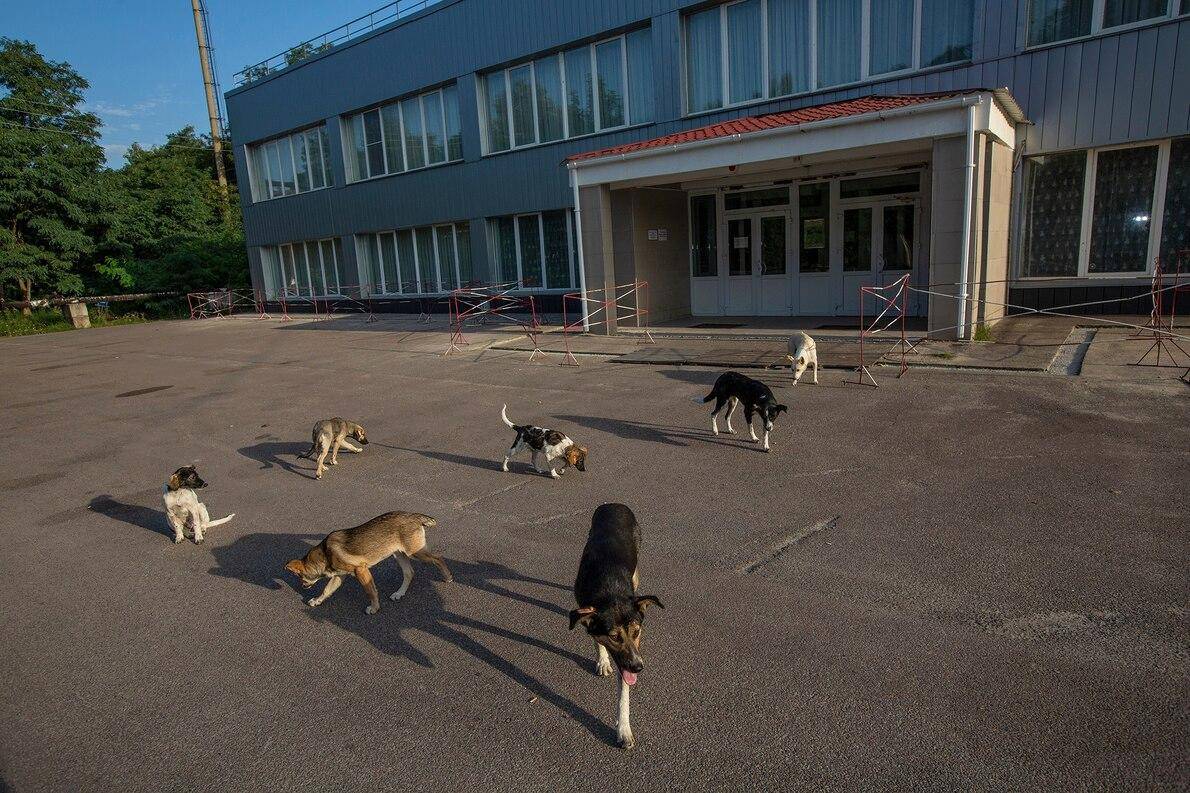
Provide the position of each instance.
(629, 677)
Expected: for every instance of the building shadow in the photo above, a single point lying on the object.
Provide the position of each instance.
(259, 560)
(271, 454)
(133, 514)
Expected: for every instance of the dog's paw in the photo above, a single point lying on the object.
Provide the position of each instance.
(333, 462)
(199, 540)
(312, 602)
(177, 540)
(371, 610)
(395, 596)
(729, 431)
(626, 741)
(767, 450)
(603, 668)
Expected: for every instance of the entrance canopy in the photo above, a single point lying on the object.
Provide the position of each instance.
(798, 137)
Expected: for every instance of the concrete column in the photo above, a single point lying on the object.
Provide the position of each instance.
(77, 314)
(595, 204)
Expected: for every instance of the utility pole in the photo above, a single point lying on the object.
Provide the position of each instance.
(210, 85)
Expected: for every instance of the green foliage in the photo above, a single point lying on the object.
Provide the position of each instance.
(68, 225)
(14, 323)
(255, 72)
(49, 161)
(52, 320)
(982, 333)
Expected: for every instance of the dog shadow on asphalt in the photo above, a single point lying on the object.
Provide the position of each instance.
(133, 514)
(490, 463)
(652, 433)
(259, 559)
(272, 454)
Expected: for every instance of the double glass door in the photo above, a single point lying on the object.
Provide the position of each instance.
(757, 279)
(878, 245)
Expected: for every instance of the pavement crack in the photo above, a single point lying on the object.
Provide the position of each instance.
(775, 551)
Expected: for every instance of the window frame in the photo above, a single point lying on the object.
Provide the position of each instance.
(383, 289)
(1157, 216)
(812, 70)
(1172, 11)
(348, 121)
(260, 172)
(505, 74)
(278, 251)
(520, 271)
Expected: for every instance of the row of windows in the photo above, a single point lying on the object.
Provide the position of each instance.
(424, 260)
(1057, 20)
(1105, 211)
(593, 88)
(757, 49)
(303, 269)
(296, 163)
(406, 135)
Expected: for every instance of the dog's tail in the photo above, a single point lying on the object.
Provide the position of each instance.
(221, 521)
(504, 415)
(313, 444)
(709, 397)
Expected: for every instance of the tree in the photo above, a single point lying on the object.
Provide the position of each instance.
(50, 196)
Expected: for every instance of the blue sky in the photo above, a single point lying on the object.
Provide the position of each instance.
(141, 59)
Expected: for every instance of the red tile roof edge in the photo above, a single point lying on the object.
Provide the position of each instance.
(784, 118)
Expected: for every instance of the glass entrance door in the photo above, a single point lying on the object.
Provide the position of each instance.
(739, 291)
(772, 296)
(878, 245)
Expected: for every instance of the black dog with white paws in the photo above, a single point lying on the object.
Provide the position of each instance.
(732, 389)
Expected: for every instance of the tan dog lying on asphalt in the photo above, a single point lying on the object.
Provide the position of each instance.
(355, 551)
(328, 435)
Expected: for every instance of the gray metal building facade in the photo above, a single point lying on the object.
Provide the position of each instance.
(1115, 85)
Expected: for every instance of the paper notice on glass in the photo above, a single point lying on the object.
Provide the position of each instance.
(653, 234)
(739, 242)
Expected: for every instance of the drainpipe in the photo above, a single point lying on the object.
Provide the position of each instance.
(968, 204)
(578, 243)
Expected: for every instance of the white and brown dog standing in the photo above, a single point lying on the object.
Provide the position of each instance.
(549, 443)
(803, 352)
(182, 507)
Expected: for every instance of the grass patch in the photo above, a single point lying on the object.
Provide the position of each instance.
(982, 333)
(47, 320)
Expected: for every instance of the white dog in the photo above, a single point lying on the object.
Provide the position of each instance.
(183, 508)
(802, 353)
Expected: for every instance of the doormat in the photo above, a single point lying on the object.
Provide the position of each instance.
(719, 325)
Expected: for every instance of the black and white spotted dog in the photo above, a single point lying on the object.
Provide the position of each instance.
(550, 443)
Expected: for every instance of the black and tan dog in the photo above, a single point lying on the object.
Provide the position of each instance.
(182, 507)
(355, 551)
(732, 389)
(608, 606)
(328, 435)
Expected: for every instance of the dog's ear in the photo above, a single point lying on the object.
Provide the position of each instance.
(175, 481)
(779, 409)
(582, 615)
(295, 566)
(643, 601)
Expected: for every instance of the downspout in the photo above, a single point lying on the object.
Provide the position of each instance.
(578, 243)
(968, 205)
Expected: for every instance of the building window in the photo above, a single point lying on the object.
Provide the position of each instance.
(1175, 225)
(1103, 211)
(704, 232)
(296, 163)
(1057, 20)
(534, 251)
(303, 269)
(593, 88)
(814, 234)
(405, 135)
(760, 49)
(418, 261)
